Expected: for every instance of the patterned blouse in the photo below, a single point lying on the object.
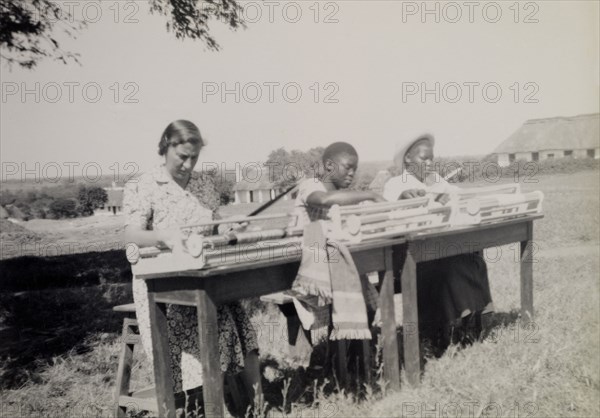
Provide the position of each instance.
(154, 201)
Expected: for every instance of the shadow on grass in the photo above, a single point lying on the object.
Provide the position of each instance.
(50, 305)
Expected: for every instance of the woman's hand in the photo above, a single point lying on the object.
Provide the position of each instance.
(170, 238)
(412, 193)
(232, 227)
(443, 198)
(376, 197)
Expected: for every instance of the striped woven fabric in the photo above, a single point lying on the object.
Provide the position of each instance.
(327, 275)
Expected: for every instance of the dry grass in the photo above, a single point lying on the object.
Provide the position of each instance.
(550, 368)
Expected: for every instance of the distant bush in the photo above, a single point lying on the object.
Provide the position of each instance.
(363, 178)
(89, 199)
(56, 202)
(476, 169)
(567, 165)
(63, 208)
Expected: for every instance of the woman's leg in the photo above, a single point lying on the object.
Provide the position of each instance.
(463, 294)
(251, 374)
(465, 289)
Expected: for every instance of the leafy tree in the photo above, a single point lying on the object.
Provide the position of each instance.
(40, 208)
(224, 187)
(7, 197)
(189, 18)
(29, 28)
(362, 179)
(90, 198)
(203, 186)
(287, 168)
(27, 34)
(63, 208)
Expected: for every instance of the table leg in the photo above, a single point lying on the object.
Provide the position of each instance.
(163, 377)
(527, 276)
(412, 356)
(391, 361)
(366, 360)
(212, 387)
(342, 360)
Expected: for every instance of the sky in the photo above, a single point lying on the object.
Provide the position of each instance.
(350, 71)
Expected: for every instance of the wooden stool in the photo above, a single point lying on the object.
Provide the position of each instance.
(145, 399)
(298, 336)
(130, 337)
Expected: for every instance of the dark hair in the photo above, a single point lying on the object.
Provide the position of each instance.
(179, 132)
(338, 148)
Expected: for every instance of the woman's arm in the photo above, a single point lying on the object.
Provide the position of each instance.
(137, 208)
(342, 197)
(145, 238)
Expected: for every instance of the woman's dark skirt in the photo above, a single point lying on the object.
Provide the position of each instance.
(451, 290)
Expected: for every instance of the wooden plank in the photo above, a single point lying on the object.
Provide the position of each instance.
(428, 248)
(209, 355)
(161, 356)
(370, 260)
(410, 327)
(234, 285)
(129, 308)
(228, 287)
(473, 228)
(294, 256)
(178, 297)
(527, 275)
(125, 363)
(391, 361)
(124, 371)
(145, 399)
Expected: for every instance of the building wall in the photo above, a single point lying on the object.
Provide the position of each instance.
(241, 196)
(555, 153)
(503, 160)
(523, 156)
(258, 196)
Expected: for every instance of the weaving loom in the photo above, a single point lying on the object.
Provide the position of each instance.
(488, 204)
(199, 252)
(357, 223)
(350, 224)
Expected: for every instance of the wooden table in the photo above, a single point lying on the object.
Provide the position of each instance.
(429, 246)
(206, 289)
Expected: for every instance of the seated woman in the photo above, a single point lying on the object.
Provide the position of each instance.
(452, 292)
(155, 205)
(315, 197)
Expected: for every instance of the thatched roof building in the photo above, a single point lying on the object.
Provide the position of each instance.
(557, 137)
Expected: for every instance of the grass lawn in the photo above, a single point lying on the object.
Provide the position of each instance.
(65, 366)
